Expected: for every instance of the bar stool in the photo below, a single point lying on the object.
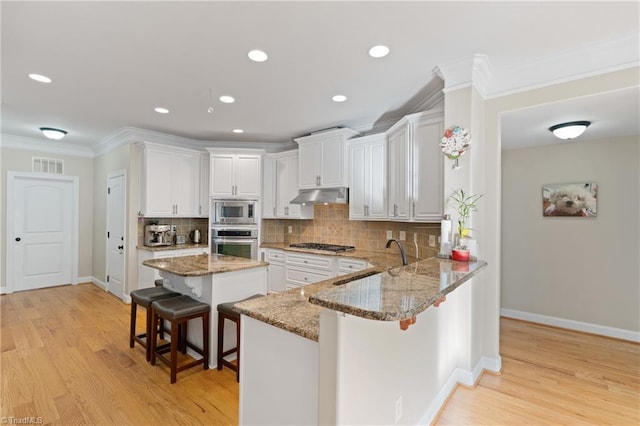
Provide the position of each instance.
(226, 312)
(178, 311)
(145, 297)
(159, 282)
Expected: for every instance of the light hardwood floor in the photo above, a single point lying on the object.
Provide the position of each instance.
(66, 358)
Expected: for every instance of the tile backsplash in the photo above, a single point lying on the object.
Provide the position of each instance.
(184, 226)
(331, 225)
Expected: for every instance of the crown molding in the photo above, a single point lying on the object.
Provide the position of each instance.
(53, 147)
(470, 71)
(577, 63)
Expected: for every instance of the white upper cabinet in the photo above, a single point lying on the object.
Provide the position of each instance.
(280, 177)
(235, 174)
(170, 182)
(322, 161)
(269, 186)
(416, 168)
(368, 177)
(205, 165)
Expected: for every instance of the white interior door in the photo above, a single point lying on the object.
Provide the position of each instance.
(42, 224)
(115, 233)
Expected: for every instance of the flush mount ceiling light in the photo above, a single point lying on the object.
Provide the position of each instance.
(238, 131)
(53, 133)
(257, 55)
(227, 99)
(569, 130)
(40, 78)
(339, 98)
(378, 51)
(161, 110)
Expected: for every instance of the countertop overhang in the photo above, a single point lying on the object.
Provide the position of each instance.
(202, 264)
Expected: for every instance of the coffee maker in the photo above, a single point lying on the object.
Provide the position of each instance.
(157, 235)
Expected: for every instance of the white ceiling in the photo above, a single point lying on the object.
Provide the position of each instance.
(113, 62)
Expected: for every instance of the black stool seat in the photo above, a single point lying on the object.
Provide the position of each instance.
(145, 297)
(225, 311)
(179, 310)
(179, 307)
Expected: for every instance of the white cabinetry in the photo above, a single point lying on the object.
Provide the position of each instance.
(323, 159)
(416, 168)
(234, 174)
(205, 164)
(282, 170)
(147, 275)
(348, 265)
(303, 269)
(276, 271)
(368, 177)
(269, 186)
(170, 182)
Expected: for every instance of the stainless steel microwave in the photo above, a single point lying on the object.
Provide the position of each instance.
(236, 212)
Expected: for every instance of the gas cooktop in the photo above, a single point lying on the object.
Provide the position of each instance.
(326, 247)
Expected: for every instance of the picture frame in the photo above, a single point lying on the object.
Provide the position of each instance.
(575, 199)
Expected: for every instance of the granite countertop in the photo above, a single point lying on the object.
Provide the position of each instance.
(298, 310)
(172, 247)
(202, 264)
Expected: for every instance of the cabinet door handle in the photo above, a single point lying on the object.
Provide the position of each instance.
(274, 211)
(414, 209)
(395, 210)
(200, 210)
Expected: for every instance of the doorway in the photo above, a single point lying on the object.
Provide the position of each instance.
(42, 230)
(116, 197)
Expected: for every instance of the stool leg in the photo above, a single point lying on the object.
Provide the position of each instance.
(220, 340)
(238, 351)
(174, 350)
(154, 340)
(151, 330)
(132, 330)
(183, 337)
(205, 339)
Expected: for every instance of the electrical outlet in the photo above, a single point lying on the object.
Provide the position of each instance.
(290, 229)
(398, 409)
(403, 236)
(432, 240)
(174, 228)
(389, 235)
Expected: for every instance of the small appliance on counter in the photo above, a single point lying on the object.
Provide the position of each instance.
(181, 239)
(196, 238)
(157, 235)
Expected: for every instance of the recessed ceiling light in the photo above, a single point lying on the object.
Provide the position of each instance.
(53, 133)
(238, 131)
(378, 51)
(210, 110)
(40, 78)
(161, 110)
(227, 99)
(339, 98)
(257, 55)
(569, 130)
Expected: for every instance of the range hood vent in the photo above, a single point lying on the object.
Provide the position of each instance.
(322, 196)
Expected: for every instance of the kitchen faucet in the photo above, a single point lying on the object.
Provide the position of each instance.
(404, 256)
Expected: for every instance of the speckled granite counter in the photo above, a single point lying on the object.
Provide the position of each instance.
(406, 292)
(202, 264)
(172, 247)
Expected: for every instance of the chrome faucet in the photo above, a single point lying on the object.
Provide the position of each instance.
(402, 253)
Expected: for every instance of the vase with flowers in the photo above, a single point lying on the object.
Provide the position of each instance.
(465, 204)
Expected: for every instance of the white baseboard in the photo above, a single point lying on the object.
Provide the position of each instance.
(99, 283)
(617, 333)
(463, 377)
(3, 290)
(85, 280)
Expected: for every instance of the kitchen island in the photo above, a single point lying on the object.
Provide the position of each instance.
(384, 348)
(213, 279)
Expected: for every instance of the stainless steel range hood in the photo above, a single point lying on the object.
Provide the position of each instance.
(322, 196)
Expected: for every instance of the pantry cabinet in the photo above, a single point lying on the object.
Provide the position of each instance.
(170, 182)
(322, 161)
(416, 168)
(234, 174)
(368, 177)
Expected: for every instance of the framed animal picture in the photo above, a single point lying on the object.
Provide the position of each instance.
(578, 199)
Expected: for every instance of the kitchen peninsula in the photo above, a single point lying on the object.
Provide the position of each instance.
(379, 346)
(213, 279)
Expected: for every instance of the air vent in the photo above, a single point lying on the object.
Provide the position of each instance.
(48, 165)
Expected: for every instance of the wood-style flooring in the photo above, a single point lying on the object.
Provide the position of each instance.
(66, 359)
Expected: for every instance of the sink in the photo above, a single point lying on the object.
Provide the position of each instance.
(356, 277)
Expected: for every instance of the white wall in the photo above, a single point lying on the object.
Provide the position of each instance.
(20, 160)
(578, 269)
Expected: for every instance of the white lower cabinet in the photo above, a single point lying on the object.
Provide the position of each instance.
(291, 270)
(147, 276)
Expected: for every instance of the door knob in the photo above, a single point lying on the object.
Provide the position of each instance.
(120, 247)
(18, 239)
